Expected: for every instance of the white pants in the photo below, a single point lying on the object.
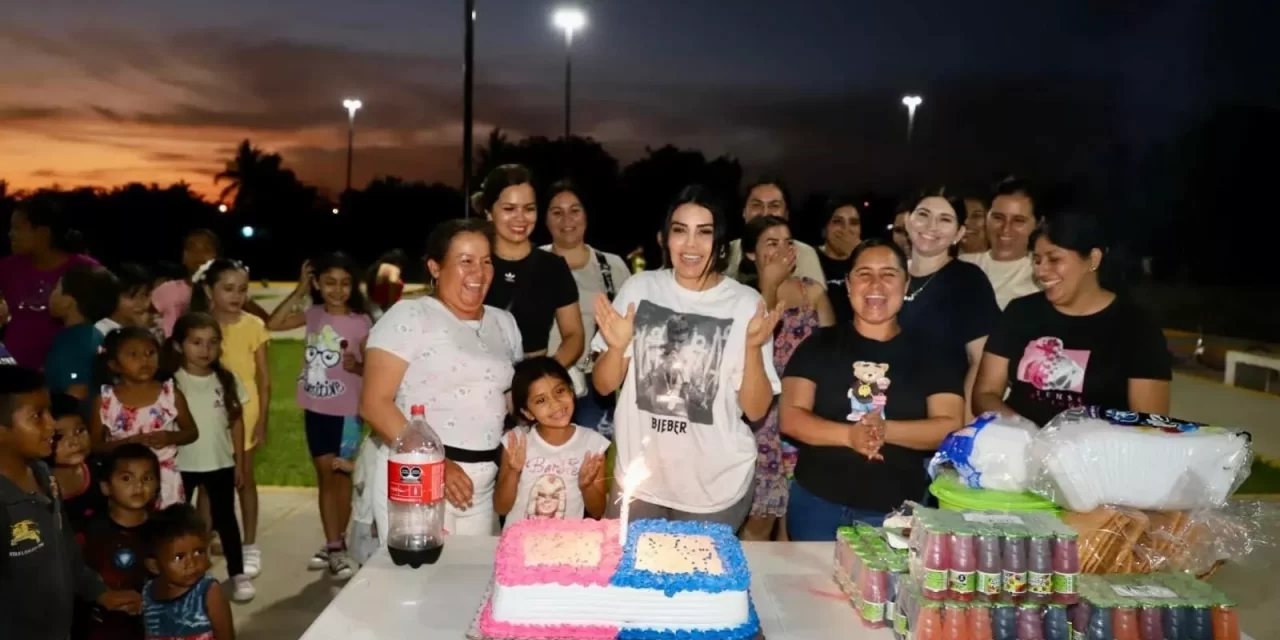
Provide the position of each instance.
(479, 520)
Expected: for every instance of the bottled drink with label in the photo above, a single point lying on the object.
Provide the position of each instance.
(415, 494)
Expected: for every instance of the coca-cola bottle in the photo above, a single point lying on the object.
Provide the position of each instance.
(415, 494)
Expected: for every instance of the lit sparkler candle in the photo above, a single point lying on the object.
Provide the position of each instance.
(635, 474)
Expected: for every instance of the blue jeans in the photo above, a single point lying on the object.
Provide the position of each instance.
(812, 519)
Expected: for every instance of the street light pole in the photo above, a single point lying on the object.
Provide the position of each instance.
(569, 20)
(352, 105)
(468, 88)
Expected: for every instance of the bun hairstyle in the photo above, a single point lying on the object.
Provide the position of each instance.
(207, 275)
(173, 359)
(507, 175)
(44, 212)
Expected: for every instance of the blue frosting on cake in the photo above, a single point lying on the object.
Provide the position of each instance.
(746, 631)
(736, 576)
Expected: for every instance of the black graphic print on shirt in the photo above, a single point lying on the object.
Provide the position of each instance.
(677, 358)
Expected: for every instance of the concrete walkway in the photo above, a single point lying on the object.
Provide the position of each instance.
(290, 597)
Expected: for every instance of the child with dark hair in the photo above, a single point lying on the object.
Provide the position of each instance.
(564, 478)
(84, 295)
(337, 325)
(183, 602)
(133, 300)
(215, 398)
(115, 541)
(137, 408)
(41, 570)
(70, 462)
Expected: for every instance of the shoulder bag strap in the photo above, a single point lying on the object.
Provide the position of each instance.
(606, 272)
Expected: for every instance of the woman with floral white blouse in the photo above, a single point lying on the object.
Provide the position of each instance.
(454, 355)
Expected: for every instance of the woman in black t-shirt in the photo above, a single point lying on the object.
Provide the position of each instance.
(843, 232)
(949, 301)
(536, 287)
(1076, 343)
(865, 441)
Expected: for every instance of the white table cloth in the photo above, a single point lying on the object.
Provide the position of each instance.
(791, 584)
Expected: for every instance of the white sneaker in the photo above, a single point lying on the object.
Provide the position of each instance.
(242, 589)
(340, 567)
(320, 561)
(252, 561)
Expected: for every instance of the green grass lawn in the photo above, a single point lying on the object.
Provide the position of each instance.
(284, 460)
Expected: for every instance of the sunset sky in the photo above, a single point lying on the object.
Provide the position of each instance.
(102, 92)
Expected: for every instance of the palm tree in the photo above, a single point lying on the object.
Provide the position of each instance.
(253, 175)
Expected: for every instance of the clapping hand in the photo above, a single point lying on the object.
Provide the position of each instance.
(616, 328)
(868, 436)
(760, 328)
(591, 471)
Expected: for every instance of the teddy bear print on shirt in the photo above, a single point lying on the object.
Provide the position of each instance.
(868, 390)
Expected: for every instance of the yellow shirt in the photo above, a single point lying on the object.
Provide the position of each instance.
(240, 341)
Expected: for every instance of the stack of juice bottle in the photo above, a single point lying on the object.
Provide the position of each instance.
(995, 557)
(869, 571)
(1156, 606)
(1160, 606)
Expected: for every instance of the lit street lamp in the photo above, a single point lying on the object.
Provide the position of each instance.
(352, 106)
(569, 20)
(222, 208)
(911, 102)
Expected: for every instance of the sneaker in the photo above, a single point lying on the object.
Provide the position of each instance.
(252, 561)
(320, 561)
(242, 589)
(340, 566)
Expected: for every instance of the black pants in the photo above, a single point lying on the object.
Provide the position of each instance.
(220, 486)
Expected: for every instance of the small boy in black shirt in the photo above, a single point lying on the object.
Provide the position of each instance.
(41, 571)
(115, 541)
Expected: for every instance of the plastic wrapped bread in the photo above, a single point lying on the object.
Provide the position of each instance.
(1089, 457)
(991, 453)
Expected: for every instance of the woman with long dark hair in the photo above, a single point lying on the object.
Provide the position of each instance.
(1077, 342)
(691, 352)
(534, 286)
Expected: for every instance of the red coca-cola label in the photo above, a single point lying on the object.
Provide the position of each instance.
(411, 483)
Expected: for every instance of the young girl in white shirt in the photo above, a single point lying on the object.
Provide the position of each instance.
(553, 469)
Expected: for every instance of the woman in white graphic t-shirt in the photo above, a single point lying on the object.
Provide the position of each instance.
(691, 354)
(454, 355)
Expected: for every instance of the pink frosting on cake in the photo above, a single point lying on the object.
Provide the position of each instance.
(491, 628)
(511, 568)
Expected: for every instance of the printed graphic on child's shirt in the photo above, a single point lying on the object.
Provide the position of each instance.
(547, 498)
(677, 358)
(324, 352)
(1048, 366)
(24, 538)
(868, 391)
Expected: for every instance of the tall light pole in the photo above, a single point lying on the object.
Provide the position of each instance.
(352, 106)
(569, 20)
(911, 102)
(468, 71)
